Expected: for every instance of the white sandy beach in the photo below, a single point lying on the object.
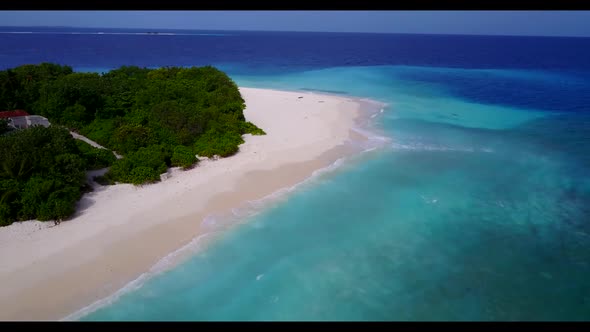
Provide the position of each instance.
(119, 232)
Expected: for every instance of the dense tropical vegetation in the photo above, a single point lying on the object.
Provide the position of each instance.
(43, 173)
(154, 118)
(3, 126)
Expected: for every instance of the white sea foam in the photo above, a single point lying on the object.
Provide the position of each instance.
(429, 200)
(163, 265)
(428, 147)
(133, 285)
(370, 135)
(172, 259)
(254, 207)
(369, 150)
(374, 140)
(249, 209)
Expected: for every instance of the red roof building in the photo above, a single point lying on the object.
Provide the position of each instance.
(12, 114)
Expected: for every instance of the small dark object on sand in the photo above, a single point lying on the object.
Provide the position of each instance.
(299, 97)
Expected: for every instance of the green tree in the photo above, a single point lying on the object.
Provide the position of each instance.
(3, 126)
(41, 174)
(129, 138)
(183, 156)
(95, 158)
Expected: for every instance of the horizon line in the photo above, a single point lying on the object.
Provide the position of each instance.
(298, 31)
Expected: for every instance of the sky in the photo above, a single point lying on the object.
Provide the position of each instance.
(543, 23)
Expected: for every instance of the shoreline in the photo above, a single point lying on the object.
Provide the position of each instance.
(222, 222)
(97, 256)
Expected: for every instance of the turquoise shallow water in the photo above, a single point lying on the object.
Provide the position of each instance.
(476, 210)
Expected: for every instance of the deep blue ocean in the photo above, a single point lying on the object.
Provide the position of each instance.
(477, 209)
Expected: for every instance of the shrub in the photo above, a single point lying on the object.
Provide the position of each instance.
(41, 174)
(120, 171)
(60, 204)
(70, 168)
(143, 174)
(3, 126)
(250, 128)
(129, 138)
(6, 215)
(101, 131)
(223, 144)
(9, 201)
(183, 156)
(95, 158)
(35, 191)
(154, 157)
(74, 116)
